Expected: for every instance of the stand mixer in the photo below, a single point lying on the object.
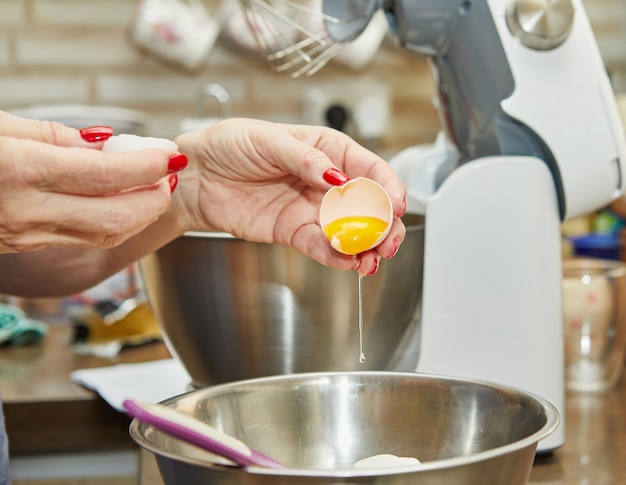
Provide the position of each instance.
(531, 136)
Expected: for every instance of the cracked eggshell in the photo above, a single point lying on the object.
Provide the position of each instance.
(129, 143)
(357, 197)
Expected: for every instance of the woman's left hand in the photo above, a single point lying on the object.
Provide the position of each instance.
(58, 188)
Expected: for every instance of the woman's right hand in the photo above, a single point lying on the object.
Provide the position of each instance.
(58, 187)
(264, 182)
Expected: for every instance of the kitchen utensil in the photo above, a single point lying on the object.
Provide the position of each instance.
(594, 323)
(232, 309)
(360, 52)
(464, 432)
(198, 433)
(299, 36)
(493, 215)
(180, 32)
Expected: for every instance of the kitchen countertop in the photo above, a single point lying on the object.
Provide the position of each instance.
(595, 443)
(37, 377)
(45, 412)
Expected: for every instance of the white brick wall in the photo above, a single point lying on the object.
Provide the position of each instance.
(608, 19)
(12, 13)
(5, 56)
(23, 90)
(93, 49)
(76, 51)
(165, 89)
(78, 13)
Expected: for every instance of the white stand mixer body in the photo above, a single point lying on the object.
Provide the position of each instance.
(492, 303)
(539, 142)
(565, 96)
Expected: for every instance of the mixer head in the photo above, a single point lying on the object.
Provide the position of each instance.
(513, 78)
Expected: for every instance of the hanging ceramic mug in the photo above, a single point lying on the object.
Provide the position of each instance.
(180, 32)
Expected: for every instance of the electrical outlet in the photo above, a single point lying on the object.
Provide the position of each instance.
(362, 106)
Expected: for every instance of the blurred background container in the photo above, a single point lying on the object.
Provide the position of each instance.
(594, 319)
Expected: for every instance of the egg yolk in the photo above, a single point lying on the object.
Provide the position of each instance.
(355, 234)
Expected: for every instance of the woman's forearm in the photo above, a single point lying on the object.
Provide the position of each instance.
(58, 271)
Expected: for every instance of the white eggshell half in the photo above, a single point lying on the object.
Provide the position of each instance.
(357, 197)
(130, 143)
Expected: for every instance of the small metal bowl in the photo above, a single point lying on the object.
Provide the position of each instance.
(319, 424)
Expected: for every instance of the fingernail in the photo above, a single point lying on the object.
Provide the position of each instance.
(335, 176)
(394, 249)
(403, 207)
(93, 134)
(374, 267)
(356, 262)
(176, 163)
(173, 181)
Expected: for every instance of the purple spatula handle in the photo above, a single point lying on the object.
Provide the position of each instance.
(198, 433)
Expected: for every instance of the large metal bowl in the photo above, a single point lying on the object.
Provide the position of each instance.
(319, 424)
(232, 309)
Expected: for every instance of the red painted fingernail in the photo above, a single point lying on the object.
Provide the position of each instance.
(176, 163)
(93, 134)
(374, 268)
(335, 176)
(173, 181)
(394, 249)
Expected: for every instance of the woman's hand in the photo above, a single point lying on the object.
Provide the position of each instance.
(57, 187)
(264, 182)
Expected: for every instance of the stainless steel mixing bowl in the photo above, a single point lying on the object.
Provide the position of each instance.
(232, 309)
(319, 424)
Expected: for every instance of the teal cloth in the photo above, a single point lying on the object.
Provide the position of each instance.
(17, 329)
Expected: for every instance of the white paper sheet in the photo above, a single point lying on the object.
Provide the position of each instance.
(145, 381)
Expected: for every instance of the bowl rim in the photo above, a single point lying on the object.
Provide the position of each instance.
(418, 225)
(551, 414)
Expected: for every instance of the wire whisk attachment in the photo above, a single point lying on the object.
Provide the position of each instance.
(301, 37)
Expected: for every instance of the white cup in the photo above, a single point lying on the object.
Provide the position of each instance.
(361, 51)
(180, 32)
